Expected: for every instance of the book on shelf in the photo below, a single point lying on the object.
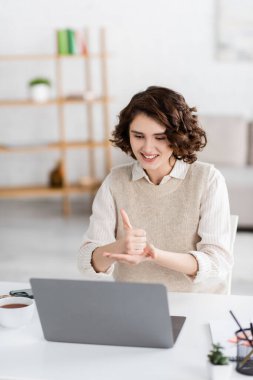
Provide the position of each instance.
(81, 46)
(71, 42)
(62, 42)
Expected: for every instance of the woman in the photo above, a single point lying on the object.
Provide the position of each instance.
(165, 217)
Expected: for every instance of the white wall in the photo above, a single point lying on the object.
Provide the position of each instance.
(162, 42)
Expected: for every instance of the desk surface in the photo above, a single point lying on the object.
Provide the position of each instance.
(25, 354)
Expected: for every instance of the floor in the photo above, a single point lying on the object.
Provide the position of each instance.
(36, 240)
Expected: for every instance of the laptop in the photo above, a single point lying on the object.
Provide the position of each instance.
(105, 313)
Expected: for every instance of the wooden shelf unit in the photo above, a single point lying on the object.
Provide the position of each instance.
(30, 103)
(62, 145)
(51, 57)
(52, 146)
(28, 191)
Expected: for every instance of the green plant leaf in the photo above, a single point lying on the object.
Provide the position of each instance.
(216, 355)
(39, 80)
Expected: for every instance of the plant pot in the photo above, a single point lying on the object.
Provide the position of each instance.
(219, 372)
(40, 93)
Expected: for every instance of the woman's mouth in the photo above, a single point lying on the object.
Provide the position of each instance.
(149, 157)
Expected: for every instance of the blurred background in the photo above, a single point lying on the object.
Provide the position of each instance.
(67, 68)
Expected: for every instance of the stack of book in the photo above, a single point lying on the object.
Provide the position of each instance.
(71, 42)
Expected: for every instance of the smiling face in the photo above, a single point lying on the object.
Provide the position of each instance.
(150, 146)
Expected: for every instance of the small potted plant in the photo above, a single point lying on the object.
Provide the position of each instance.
(40, 89)
(219, 366)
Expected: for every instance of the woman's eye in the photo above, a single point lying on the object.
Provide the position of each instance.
(138, 137)
(161, 138)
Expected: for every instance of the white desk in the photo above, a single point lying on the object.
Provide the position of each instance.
(24, 354)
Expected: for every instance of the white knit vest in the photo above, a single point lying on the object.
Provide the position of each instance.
(169, 213)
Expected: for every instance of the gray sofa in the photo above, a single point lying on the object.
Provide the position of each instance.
(230, 149)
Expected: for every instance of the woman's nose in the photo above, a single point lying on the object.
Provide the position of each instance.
(148, 146)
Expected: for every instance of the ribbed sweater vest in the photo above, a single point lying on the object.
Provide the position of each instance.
(169, 213)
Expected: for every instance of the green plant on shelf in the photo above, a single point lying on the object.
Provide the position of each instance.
(216, 355)
(39, 80)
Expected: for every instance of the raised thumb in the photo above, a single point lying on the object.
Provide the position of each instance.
(126, 222)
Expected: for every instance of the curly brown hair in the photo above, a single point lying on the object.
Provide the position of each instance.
(169, 109)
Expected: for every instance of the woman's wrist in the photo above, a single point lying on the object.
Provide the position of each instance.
(158, 256)
(180, 262)
(120, 246)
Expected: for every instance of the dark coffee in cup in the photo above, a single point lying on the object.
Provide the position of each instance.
(13, 306)
(16, 311)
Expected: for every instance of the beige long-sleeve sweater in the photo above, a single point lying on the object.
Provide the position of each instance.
(170, 214)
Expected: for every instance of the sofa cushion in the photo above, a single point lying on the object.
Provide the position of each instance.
(227, 140)
(240, 189)
(250, 157)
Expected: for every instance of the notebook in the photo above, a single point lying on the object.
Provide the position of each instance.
(105, 313)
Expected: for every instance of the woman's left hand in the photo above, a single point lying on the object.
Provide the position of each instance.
(148, 254)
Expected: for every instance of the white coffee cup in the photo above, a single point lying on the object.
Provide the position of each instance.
(16, 311)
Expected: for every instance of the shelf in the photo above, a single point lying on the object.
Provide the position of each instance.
(59, 101)
(50, 57)
(53, 146)
(61, 144)
(12, 192)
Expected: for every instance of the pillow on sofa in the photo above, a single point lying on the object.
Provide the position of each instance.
(227, 140)
(251, 144)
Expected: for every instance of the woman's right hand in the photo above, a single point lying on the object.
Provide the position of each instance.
(134, 248)
(134, 240)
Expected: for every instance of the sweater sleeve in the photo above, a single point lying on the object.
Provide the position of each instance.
(213, 252)
(101, 230)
